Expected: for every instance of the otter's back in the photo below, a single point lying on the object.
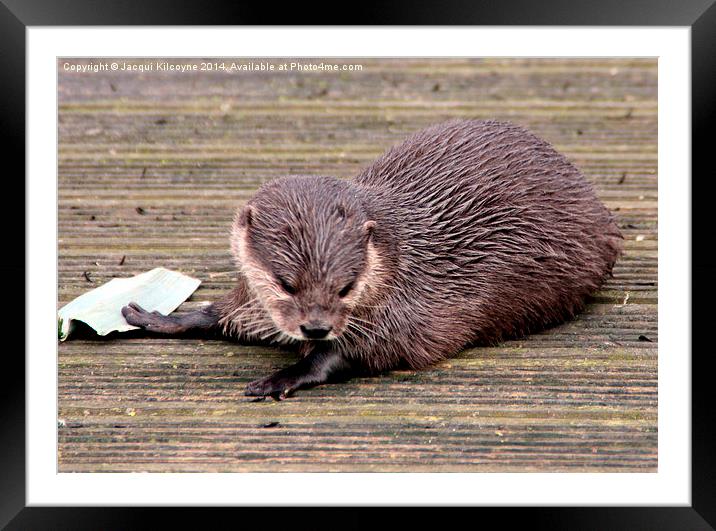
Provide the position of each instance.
(492, 216)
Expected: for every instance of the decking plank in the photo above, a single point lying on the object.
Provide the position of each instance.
(151, 169)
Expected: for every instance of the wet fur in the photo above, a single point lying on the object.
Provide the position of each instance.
(469, 232)
(482, 230)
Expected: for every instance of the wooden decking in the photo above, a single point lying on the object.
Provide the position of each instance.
(151, 168)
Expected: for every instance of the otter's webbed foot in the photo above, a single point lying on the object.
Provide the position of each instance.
(204, 319)
(315, 369)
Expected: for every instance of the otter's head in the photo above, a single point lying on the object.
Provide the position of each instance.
(304, 245)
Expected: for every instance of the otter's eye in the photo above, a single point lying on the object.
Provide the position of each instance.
(288, 288)
(346, 290)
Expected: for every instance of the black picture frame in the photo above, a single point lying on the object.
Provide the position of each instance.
(699, 15)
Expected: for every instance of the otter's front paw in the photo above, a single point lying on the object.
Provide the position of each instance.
(135, 315)
(277, 386)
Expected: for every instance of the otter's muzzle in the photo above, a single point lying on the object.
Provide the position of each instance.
(315, 330)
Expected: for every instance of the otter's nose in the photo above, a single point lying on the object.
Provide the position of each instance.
(315, 330)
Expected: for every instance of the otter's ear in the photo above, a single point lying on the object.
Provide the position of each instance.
(246, 216)
(369, 227)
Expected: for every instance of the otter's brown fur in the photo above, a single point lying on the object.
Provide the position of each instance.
(469, 232)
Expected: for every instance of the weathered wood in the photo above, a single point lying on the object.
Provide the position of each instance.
(151, 169)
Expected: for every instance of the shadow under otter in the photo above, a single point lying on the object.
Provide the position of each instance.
(467, 233)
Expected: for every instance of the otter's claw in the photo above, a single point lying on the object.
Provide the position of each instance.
(276, 386)
(135, 315)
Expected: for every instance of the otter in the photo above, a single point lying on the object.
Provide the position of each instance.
(467, 233)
